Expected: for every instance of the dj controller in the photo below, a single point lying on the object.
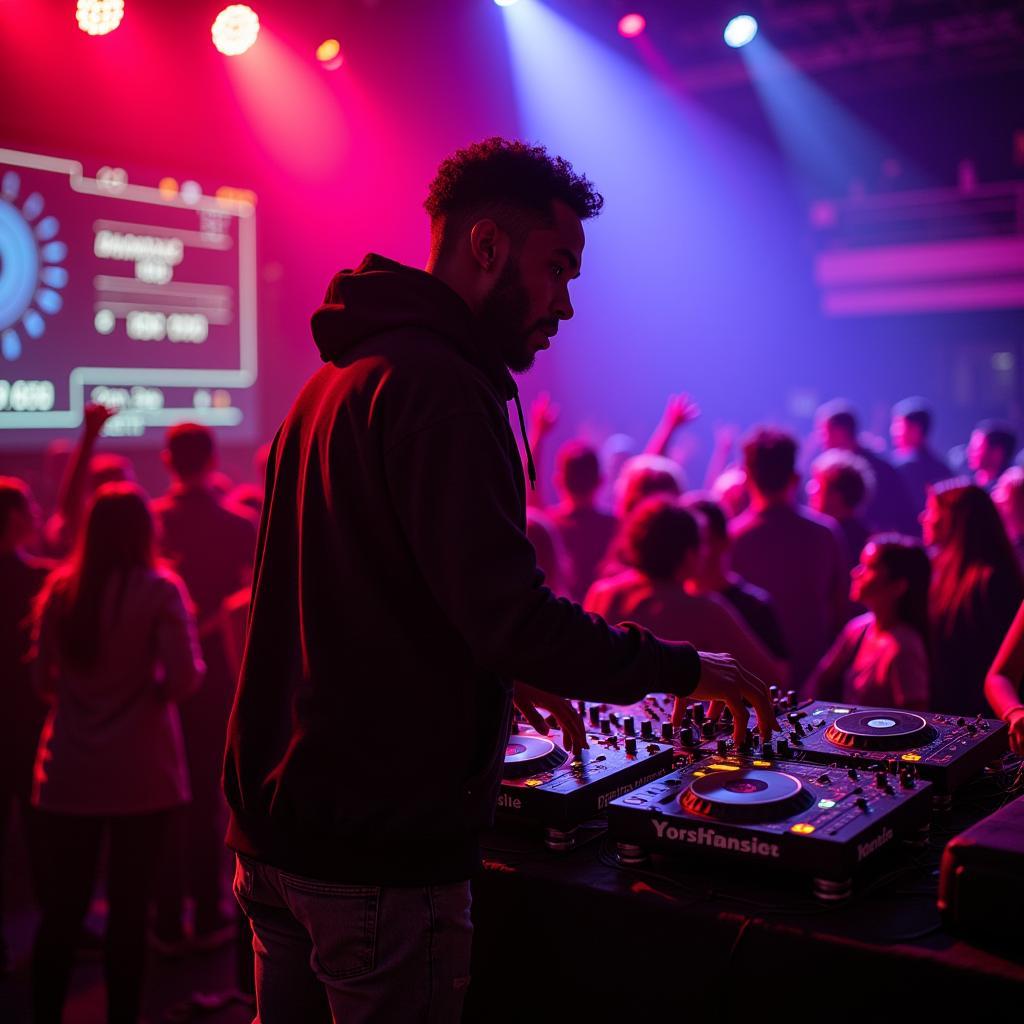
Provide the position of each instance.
(546, 786)
(780, 814)
(948, 750)
(838, 785)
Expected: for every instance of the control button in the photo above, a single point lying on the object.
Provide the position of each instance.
(631, 746)
(862, 803)
(707, 730)
(792, 699)
(635, 800)
(606, 726)
(686, 737)
(766, 748)
(666, 730)
(688, 714)
(722, 748)
(882, 779)
(629, 725)
(853, 773)
(581, 706)
(825, 779)
(647, 729)
(595, 715)
(698, 712)
(782, 746)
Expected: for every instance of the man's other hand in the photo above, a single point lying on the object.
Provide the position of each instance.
(528, 699)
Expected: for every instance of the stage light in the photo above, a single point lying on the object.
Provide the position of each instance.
(328, 50)
(98, 17)
(740, 31)
(505, 3)
(235, 29)
(631, 25)
(329, 54)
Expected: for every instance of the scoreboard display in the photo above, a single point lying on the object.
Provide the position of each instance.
(140, 298)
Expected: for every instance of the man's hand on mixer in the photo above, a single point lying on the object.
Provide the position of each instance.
(725, 682)
(529, 698)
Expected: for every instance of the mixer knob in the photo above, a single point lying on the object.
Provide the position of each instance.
(747, 743)
(726, 718)
(686, 737)
(766, 748)
(647, 729)
(581, 706)
(606, 726)
(882, 779)
(773, 692)
(698, 712)
(629, 725)
(972, 728)
(595, 715)
(862, 803)
(961, 721)
(853, 773)
(707, 730)
(906, 780)
(783, 748)
(794, 720)
(792, 699)
(825, 779)
(722, 748)
(631, 746)
(688, 714)
(666, 730)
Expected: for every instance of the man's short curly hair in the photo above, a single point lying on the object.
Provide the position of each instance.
(502, 177)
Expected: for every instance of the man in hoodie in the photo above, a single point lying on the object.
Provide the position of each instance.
(396, 598)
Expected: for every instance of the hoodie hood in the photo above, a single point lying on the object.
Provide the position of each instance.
(381, 296)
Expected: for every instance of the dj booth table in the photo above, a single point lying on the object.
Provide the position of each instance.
(576, 936)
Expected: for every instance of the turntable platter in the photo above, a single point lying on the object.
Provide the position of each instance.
(530, 755)
(747, 794)
(879, 730)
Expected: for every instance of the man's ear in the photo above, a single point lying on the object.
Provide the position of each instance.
(487, 242)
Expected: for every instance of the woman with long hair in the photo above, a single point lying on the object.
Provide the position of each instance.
(116, 649)
(976, 588)
(880, 658)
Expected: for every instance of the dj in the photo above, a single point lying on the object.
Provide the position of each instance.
(396, 598)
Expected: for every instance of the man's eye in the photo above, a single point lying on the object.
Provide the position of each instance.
(557, 269)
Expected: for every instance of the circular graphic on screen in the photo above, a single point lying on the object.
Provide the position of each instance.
(31, 271)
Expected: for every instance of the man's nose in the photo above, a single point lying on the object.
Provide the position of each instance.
(564, 310)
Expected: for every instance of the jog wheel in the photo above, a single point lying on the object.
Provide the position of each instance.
(879, 730)
(746, 795)
(527, 755)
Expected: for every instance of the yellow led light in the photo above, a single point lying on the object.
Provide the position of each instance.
(724, 767)
(168, 188)
(534, 782)
(699, 775)
(910, 757)
(762, 764)
(801, 828)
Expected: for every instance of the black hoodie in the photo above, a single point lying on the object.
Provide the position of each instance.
(395, 599)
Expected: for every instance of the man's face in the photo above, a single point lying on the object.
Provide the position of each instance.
(531, 294)
(906, 435)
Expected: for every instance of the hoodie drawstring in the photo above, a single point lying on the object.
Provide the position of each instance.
(531, 471)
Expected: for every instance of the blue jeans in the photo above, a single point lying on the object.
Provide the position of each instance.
(355, 954)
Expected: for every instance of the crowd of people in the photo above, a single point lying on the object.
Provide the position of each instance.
(887, 580)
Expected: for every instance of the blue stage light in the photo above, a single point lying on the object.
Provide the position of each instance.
(740, 31)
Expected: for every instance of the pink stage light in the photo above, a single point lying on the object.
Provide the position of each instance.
(235, 29)
(329, 55)
(631, 25)
(98, 17)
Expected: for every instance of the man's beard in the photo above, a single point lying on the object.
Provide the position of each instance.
(503, 318)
